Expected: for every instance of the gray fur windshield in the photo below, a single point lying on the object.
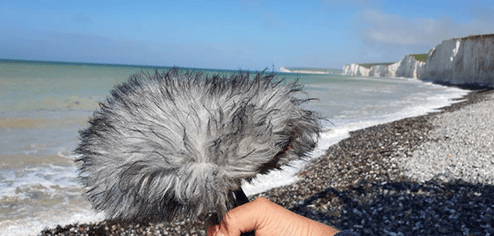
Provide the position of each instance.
(179, 143)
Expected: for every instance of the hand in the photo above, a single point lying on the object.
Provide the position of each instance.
(267, 218)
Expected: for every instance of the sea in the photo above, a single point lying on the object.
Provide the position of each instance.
(44, 105)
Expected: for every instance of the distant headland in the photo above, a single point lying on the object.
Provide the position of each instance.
(305, 70)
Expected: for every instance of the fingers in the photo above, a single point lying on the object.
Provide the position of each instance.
(241, 219)
(244, 218)
(267, 218)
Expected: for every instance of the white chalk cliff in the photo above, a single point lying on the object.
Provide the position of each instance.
(458, 61)
(384, 70)
(407, 67)
(462, 61)
(355, 70)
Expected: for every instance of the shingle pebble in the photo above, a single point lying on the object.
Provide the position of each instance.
(389, 179)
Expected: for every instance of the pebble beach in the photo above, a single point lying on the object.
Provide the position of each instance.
(426, 175)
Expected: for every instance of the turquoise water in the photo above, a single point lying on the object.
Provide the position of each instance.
(43, 105)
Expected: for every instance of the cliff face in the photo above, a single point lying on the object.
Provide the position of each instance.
(384, 70)
(462, 61)
(355, 70)
(407, 67)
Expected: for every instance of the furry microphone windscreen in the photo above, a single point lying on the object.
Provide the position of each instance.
(176, 143)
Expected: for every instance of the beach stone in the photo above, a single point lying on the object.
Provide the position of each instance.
(427, 175)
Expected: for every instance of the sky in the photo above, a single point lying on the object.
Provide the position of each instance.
(235, 34)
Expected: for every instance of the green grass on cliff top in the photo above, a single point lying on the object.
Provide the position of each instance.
(369, 65)
(420, 57)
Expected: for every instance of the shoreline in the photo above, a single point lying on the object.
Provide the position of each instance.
(358, 185)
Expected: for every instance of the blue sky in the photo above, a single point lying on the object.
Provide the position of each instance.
(237, 34)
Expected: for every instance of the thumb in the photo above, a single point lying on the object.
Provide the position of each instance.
(242, 219)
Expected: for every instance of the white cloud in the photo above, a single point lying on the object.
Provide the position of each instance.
(377, 27)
